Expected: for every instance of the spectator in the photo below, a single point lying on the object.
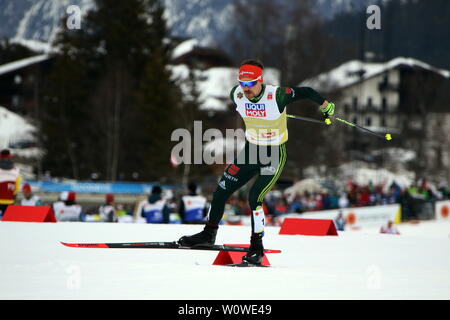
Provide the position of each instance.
(364, 197)
(280, 208)
(389, 229)
(396, 191)
(121, 210)
(444, 190)
(353, 195)
(155, 210)
(425, 190)
(390, 197)
(60, 202)
(334, 201)
(128, 217)
(318, 205)
(108, 211)
(310, 203)
(10, 180)
(66, 209)
(326, 201)
(168, 195)
(371, 187)
(343, 201)
(379, 195)
(340, 221)
(296, 205)
(413, 191)
(193, 207)
(29, 199)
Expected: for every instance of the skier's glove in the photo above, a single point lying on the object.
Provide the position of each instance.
(328, 110)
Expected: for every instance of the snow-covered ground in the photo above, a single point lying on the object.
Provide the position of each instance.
(355, 265)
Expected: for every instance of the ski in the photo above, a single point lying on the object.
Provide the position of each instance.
(159, 245)
(246, 265)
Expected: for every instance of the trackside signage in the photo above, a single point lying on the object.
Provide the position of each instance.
(442, 210)
(361, 217)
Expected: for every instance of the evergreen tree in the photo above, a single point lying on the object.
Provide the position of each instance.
(155, 113)
(64, 111)
(111, 84)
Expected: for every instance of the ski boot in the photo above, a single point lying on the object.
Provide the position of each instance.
(255, 253)
(205, 238)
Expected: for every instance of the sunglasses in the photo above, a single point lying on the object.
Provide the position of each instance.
(250, 83)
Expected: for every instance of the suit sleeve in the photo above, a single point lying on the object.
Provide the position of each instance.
(287, 95)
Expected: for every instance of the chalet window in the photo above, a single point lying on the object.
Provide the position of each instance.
(355, 120)
(369, 102)
(368, 121)
(383, 121)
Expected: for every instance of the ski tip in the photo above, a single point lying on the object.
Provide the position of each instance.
(272, 251)
(84, 245)
(67, 244)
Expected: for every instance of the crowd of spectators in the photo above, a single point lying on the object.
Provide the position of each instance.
(353, 195)
(276, 203)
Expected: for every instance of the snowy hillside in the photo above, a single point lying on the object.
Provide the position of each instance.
(35, 22)
(354, 265)
(38, 20)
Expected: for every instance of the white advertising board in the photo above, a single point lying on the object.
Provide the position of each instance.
(442, 210)
(360, 217)
(355, 218)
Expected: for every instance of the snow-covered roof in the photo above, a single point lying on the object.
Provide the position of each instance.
(184, 47)
(214, 84)
(35, 45)
(13, 128)
(19, 64)
(347, 74)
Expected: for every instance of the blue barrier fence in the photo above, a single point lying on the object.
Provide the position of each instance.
(96, 187)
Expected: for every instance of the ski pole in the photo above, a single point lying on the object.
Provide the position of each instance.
(304, 118)
(387, 136)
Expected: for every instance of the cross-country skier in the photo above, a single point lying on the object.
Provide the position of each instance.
(263, 109)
